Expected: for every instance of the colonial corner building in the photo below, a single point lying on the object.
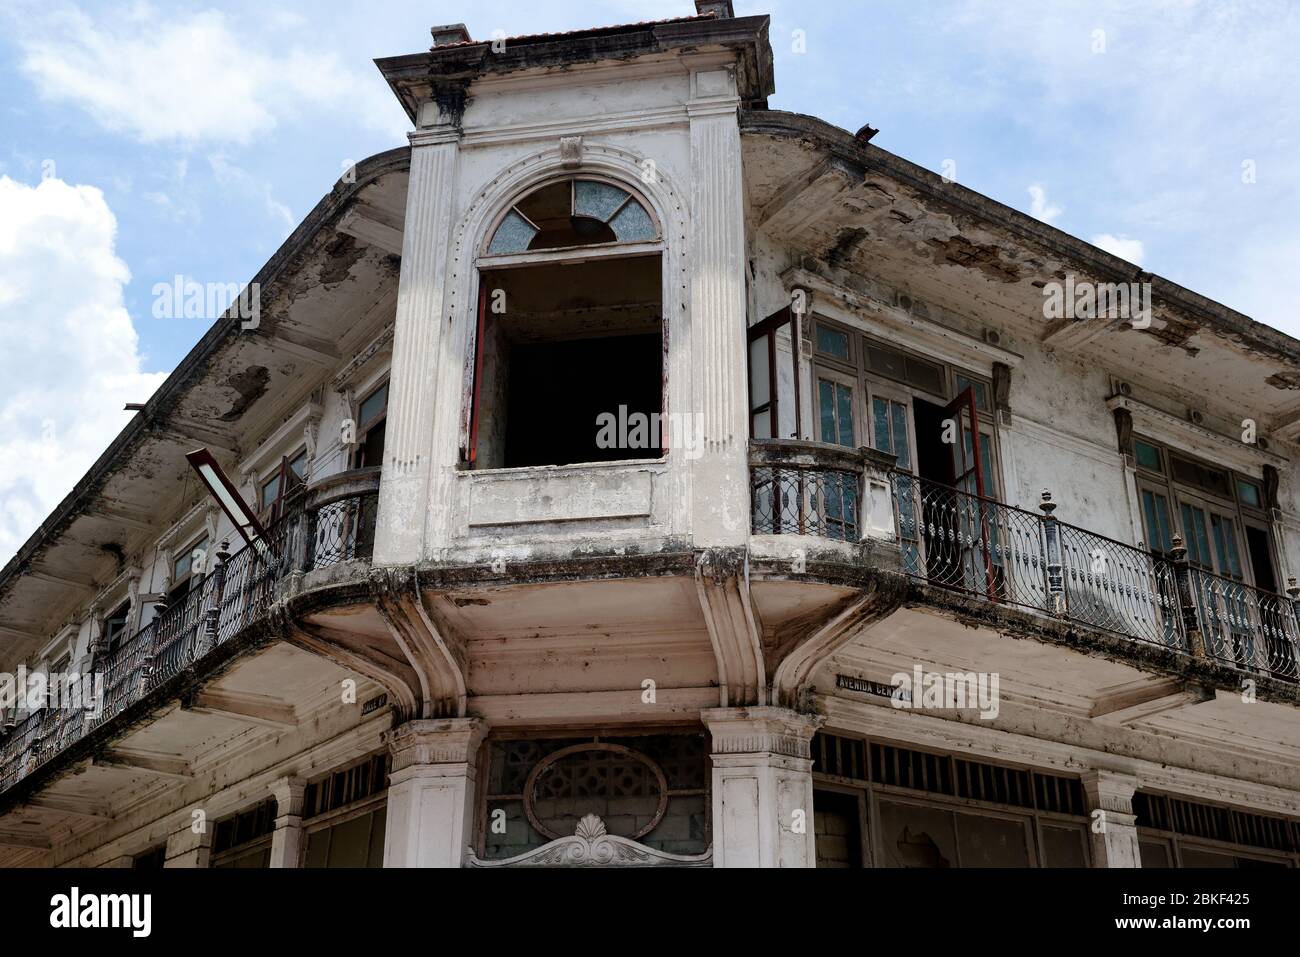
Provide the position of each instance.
(614, 448)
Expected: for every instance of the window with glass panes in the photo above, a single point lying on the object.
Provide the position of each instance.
(867, 392)
(877, 804)
(272, 489)
(189, 565)
(372, 414)
(1174, 832)
(115, 626)
(243, 840)
(345, 815)
(1220, 514)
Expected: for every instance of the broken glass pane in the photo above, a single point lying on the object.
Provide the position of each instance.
(513, 235)
(633, 223)
(597, 200)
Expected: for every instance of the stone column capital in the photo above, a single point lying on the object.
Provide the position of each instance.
(761, 730)
(435, 741)
(1111, 791)
(289, 793)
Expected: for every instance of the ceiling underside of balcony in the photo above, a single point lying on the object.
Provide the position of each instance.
(265, 709)
(1105, 704)
(926, 250)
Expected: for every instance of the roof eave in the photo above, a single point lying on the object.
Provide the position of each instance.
(842, 144)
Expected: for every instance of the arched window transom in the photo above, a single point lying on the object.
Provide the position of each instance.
(573, 212)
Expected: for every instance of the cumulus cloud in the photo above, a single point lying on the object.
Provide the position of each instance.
(71, 357)
(186, 78)
(1121, 246)
(1039, 207)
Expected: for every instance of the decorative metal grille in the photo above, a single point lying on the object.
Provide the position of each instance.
(956, 540)
(806, 500)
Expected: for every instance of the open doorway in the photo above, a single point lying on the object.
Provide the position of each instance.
(933, 457)
(565, 349)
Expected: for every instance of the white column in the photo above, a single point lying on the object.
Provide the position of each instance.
(185, 848)
(289, 840)
(720, 479)
(431, 792)
(411, 455)
(762, 787)
(1113, 823)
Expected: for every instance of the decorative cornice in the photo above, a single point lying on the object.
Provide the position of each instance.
(1178, 431)
(381, 344)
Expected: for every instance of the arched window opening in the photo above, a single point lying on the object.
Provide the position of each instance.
(569, 362)
(575, 212)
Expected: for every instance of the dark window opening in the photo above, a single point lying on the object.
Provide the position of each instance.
(933, 457)
(276, 491)
(837, 829)
(244, 840)
(151, 860)
(346, 815)
(931, 810)
(188, 569)
(570, 365)
(1261, 558)
(115, 627)
(372, 418)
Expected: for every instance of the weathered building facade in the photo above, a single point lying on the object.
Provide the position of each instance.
(654, 478)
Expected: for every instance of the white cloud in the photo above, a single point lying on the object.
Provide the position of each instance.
(167, 77)
(1121, 246)
(1039, 207)
(70, 359)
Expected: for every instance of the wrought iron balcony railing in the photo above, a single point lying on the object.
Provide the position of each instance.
(957, 540)
(333, 521)
(810, 488)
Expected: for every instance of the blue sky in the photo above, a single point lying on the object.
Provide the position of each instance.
(143, 141)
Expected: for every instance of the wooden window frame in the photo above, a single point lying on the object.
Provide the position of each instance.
(268, 513)
(872, 383)
(860, 429)
(190, 575)
(873, 791)
(364, 428)
(1174, 843)
(770, 329)
(113, 642)
(1179, 493)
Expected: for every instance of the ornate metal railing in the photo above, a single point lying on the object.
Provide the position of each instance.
(810, 488)
(330, 522)
(970, 543)
(1243, 626)
(957, 540)
(341, 519)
